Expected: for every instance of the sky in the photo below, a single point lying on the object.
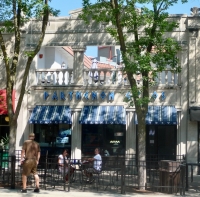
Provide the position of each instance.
(66, 5)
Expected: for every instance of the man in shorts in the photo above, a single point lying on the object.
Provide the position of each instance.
(30, 156)
(97, 162)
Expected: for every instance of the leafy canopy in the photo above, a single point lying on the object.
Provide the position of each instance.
(143, 30)
(24, 9)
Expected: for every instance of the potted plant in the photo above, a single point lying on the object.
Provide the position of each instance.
(4, 142)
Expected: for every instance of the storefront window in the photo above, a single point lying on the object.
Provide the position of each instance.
(53, 137)
(4, 126)
(4, 120)
(109, 138)
(161, 141)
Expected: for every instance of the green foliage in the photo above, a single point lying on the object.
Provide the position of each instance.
(29, 53)
(6, 10)
(14, 14)
(149, 51)
(4, 141)
(25, 10)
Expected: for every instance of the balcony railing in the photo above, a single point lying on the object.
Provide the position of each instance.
(106, 77)
(54, 76)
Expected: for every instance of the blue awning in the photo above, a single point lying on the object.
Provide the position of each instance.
(50, 114)
(160, 115)
(103, 115)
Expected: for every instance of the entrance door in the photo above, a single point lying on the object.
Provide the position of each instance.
(161, 141)
(167, 142)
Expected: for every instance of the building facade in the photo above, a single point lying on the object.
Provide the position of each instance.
(94, 112)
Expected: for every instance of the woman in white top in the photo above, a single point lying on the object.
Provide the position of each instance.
(61, 159)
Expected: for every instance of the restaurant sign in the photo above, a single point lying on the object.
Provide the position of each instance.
(78, 95)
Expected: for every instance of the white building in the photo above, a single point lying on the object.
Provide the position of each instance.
(95, 114)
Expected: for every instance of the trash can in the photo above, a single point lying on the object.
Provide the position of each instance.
(169, 176)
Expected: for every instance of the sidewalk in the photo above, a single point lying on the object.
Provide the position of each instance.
(53, 193)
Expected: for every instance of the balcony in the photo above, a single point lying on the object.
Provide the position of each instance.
(105, 77)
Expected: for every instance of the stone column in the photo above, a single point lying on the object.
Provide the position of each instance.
(182, 103)
(193, 63)
(78, 64)
(130, 140)
(130, 133)
(76, 135)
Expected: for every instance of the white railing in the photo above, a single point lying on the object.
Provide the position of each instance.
(107, 77)
(54, 76)
(167, 78)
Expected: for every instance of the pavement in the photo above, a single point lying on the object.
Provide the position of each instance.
(194, 191)
(54, 193)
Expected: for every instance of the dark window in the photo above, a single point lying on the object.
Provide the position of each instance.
(3, 119)
(53, 137)
(161, 141)
(109, 138)
(4, 126)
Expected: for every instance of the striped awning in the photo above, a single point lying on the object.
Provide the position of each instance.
(160, 115)
(50, 114)
(103, 115)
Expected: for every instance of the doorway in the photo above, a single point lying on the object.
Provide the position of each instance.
(161, 141)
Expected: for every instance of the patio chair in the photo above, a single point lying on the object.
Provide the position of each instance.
(95, 179)
(60, 176)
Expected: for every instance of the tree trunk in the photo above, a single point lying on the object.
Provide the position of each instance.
(141, 154)
(12, 137)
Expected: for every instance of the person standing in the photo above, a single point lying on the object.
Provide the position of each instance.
(94, 74)
(64, 165)
(61, 159)
(30, 156)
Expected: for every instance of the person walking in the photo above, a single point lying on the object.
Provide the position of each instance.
(30, 156)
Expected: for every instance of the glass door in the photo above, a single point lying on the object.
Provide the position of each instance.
(166, 142)
(161, 142)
